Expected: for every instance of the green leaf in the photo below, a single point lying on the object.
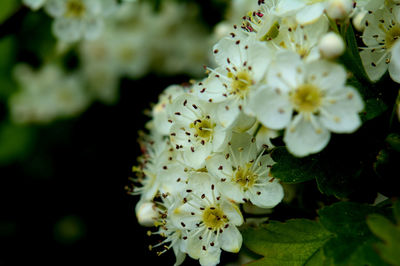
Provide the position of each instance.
(351, 58)
(335, 177)
(353, 243)
(295, 242)
(389, 233)
(291, 169)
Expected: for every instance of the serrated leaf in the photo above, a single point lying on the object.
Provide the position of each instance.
(389, 233)
(295, 242)
(353, 243)
(291, 169)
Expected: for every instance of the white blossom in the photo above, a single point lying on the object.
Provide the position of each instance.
(382, 29)
(242, 173)
(209, 220)
(309, 100)
(195, 130)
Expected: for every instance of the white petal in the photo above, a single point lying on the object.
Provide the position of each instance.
(68, 30)
(228, 112)
(232, 212)
(326, 75)
(289, 6)
(374, 63)
(231, 239)
(394, 66)
(93, 28)
(284, 72)
(310, 13)
(268, 195)
(272, 107)
(342, 115)
(303, 139)
(227, 48)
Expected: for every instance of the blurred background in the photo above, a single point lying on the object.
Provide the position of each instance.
(70, 112)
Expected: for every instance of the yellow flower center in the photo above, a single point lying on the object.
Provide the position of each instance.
(75, 8)
(203, 128)
(307, 98)
(392, 35)
(241, 83)
(214, 217)
(245, 177)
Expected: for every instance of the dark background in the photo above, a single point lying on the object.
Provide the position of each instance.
(64, 202)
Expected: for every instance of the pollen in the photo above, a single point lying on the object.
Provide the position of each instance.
(307, 98)
(245, 177)
(241, 83)
(204, 128)
(214, 217)
(392, 35)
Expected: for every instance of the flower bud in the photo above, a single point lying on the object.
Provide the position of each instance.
(339, 9)
(146, 213)
(358, 20)
(331, 45)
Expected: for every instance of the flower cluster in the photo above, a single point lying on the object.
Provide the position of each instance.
(276, 73)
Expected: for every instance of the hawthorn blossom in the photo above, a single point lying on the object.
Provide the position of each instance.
(308, 100)
(242, 173)
(209, 221)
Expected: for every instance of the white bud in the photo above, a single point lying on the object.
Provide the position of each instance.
(331, 45)
(339, 9)
(358, 20)
(146, 213)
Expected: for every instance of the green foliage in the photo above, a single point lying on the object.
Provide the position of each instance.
(389, 233)
(295, 242)
(334, 175)
(291, 169)
(341, 236)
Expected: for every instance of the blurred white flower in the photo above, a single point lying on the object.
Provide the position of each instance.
(46, 94)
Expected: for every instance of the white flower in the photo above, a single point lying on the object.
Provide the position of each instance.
(308, 99)
(159, 111)
(34, 4)
(175, 237)
(209, 221)
(195, 130)
(382, 29)
(242, 67)
(159, 172)
(46, 94)
(242, 173)
(302, 39)
(78, 19)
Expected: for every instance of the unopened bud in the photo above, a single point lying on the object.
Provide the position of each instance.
(146, 213)
(358, 20)
(339, 9)
(331, 45)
